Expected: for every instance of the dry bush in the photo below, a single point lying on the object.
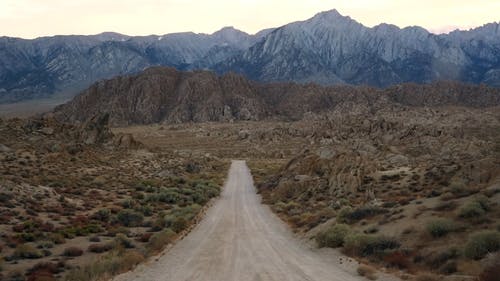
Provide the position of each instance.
(482, 243)
(334, 236)
(94, 238)
(25, 251)
(129, 218)
(158, 241)
(144, 237)
(398, 259)
(57, 238)
(43, 271)
(72, 252)
(100, 248)
(475, 208)
(441, 227)
(111, 264)
(368, 245)
(441, 258)
(367, 271)
(491, 271)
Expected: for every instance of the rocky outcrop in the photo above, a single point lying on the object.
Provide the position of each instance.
(167, 95)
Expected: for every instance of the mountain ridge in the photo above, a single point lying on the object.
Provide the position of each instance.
(165, 95)
(328, 48)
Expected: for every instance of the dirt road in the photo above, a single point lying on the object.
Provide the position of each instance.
(242, 240)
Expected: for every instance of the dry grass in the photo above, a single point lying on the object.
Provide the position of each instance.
(108, 265)
(367, 272)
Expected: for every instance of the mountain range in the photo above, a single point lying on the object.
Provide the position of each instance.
(327, 49)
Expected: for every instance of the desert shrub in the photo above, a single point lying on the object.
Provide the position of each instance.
(368, 245)
(128, 203)
(179, 224)
(158, 224)
(475, 208)
(50, 267)
(72, 232)
(27, 226)
(491, 269)
(91, 228)
(146, 210)
(343, 214)
(5, 198)
(482, 243)
(144, 237)
(159, 240)
(113, 231)
(364, 212)
(290, 208)
(100, 248)
(94, 238)
(334, 236)
(438, 259)
(399, 259)
(102, 215)
(44, 245)
(72, 252)
(178, 219)
(446, 206)
(110, 264)
(25, 251)
(129, 218)
(440, 227)
(367, 271)
(459, 189)
(371, 230)
(449, 267)
(122, 241)
(26, 237)
(169, 196)
(57, 238)
(348, 215)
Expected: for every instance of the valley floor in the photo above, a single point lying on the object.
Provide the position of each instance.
(241, 239)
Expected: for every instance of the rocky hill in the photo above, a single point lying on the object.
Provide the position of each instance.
(166, 95)
(328, 49)
(414, 189)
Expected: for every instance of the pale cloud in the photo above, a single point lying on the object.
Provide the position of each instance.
(32, 18)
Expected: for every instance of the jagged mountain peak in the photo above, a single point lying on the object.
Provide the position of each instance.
(229, 30)
(333, 13)
(386, 27)
(332, 17)
(111, 36)
(229, 34)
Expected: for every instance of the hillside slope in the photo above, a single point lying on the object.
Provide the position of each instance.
(167, 95)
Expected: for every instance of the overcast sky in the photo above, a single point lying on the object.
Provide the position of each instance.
(34, 18)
